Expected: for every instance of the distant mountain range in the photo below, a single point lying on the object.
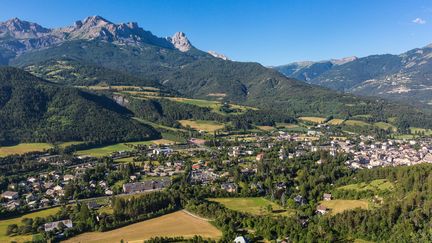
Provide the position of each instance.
(404, 77)
(96, 51)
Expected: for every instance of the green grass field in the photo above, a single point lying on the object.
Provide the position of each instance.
(129, 146)
(375, 185)
(23, 148)
(385, 126)
(312, 119)
(252, 205)
(213, 105)
(104, 151)
(338, 206)
(356, 123)
(23, 238)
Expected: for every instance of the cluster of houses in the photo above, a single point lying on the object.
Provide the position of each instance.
(389, 153)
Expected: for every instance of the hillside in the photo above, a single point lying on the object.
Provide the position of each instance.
(34, 110)
(404, 77)
(144, 59)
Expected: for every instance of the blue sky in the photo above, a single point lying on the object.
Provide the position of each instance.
(271, 32)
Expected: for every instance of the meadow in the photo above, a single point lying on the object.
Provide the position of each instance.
(200, 125)
(375, 185)
(338, 206)
(23, 148)
(129, 146)
(174, 224)
(252, 205)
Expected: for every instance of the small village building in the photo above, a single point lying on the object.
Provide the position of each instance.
(321, 209)
(327, 197)
(56, 225)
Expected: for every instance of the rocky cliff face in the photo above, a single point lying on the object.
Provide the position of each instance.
(180, 41)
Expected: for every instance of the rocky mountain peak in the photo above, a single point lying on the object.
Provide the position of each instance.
(21, 29)
(96, 20)
(180, 41)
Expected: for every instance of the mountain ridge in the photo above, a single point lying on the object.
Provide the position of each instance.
(404, 77)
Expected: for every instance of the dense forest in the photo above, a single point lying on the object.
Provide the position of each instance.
(34, 110)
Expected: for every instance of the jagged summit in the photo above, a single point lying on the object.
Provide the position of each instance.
(21, 29)
(33, 36)
(180, 41)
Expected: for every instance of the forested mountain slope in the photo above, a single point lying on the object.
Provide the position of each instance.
(404, 77)
(32, 110)
(102, 51)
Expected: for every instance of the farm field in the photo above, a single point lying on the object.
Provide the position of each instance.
(23, 238)
(24, 148)
(338, 206)
(312, 119)
(375, 185)
(252, 205)
(174, 224)
(200, 125)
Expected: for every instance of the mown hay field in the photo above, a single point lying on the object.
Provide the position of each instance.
(174, 224)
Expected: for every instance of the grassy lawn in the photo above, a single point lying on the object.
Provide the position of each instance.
(375, 185)
(23, 238)
(200, 125)
(252, 205)
(104, 151)
(23, 148)
(174, 224)
(313, 119)
(338, 206)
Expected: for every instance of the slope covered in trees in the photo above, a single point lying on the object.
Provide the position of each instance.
(33, 110)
